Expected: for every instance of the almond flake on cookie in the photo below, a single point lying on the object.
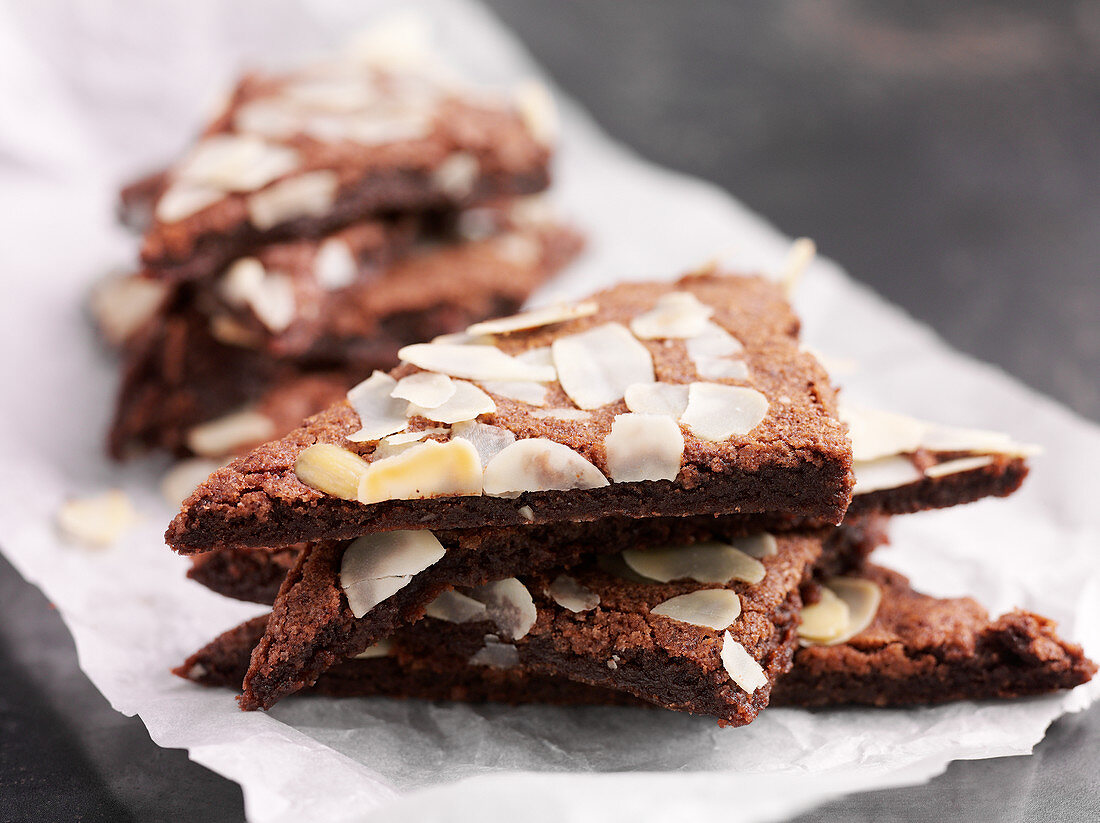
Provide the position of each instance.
(740, 665)
(884, 473)
(644, 447)
(715, 354)
(596, 366)
(466, 403)
(305, 195)
(538, 464)
(712, 608)
(678, 314)
(97, 521)
(426, 389)
(237, 162)
(456, 607)
(533, 394)
(224, 435)
(334, 267)
(181, 200)
(536, 318)
(331, 469)
(380, 413)
(488, 440)
(473, 362)
(508, 603)
(569, 594)
(717, 412)
(428, 469)
(670, 399)
(708, 562)
(376, 566)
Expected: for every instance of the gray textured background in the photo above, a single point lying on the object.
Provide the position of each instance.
(947, 155)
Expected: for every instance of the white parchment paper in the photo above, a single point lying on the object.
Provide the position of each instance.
(104, 90)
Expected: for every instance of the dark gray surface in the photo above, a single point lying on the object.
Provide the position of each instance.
(947, 157)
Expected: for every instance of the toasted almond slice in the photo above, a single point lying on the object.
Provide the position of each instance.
(466, 403)
(508, 603)
(122, 305)
(740, 665)
(560, 414)
(538, 464)
(455, 607)
(677, 314)
(383, 648)
(536, 106)
(270, 295)
(237, 162)
(569, 594)
(877, 433)
(330, 469)
(713, 608)
(717, 412)
(335, 266)
(488, 440)
(702, 562)
(862, 597)
(950, 439)
(716, 354)
(473, 362)
(380, 413)
(305, 195)
(644, 447)
(533, 394)
(758, 545)
(536, 318)
(97, 521)
(496, 654)
(181, 200)
(218, 438)
(962, 464)
(825, 620)
(595, 366)
(457, 175)
(884, 473)
(801, 255)
(364, 595)
(390, 554)
(393, 444)
(425, 389)
(670, 399)
(428, 469)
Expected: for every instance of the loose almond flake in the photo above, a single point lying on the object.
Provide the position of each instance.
(758, 545)
(306, 195)
(379, 412)
(509, 605)
(473, 362)
(330, 469)
(184, 477)
(425, 389)
(181, 200)
(963, 464)
(97, 521)
(884, 473)
(456, 175)
(537, 464)
(225, 435)
(716, 354)
(702, 562)
(669, 399)
(862, 598)
(377, 565)
(716, 412)
(826, 620)
(595, 366)
(334, 267)
(466, 403)
(122, 305)
(534, 319)
(488, 440)
(644, 447)
(237, 162)
(428, 469)
(455, 607)
(740, 666)
(496, 654)
(533, 394)
(569, 594)
(383, 648)
(713, 608)
(678, 314)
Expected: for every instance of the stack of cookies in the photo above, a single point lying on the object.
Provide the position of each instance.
(648, 497)
(324, 218)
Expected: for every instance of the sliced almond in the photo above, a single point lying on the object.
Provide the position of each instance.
(425, 389)
(517, 249)
(122, 305)
(740, 665)
(393, 444)
(678, 314)
(962, 464)
(702, 562)
(270, 296)
(717, 412)
(758, 545)
(380, 413)
(488, 440)
(595, 366)
(884, 473)
(473, 362)
(97, 521)
(535, 319)
(536, 106)
(237, 162)
(455, 607)
(270, 117)
(383, 648)
(713, 608)
(560, 414)
(457, 175)
(643, 447)
(716, 354)
(428, 469)
(950, 439)
(509, 605)
(876, 433)
(569, 594)
(181, 200)
(533, 394)
(184, 477)
(305, 195)
(467, 402)
(376, 566)
(496, 654)
(826, 620)
(335, 266)
(669, 399)
(862, 597)
(331, 469)
(802, 253)
(225, 435)
(538, 464)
